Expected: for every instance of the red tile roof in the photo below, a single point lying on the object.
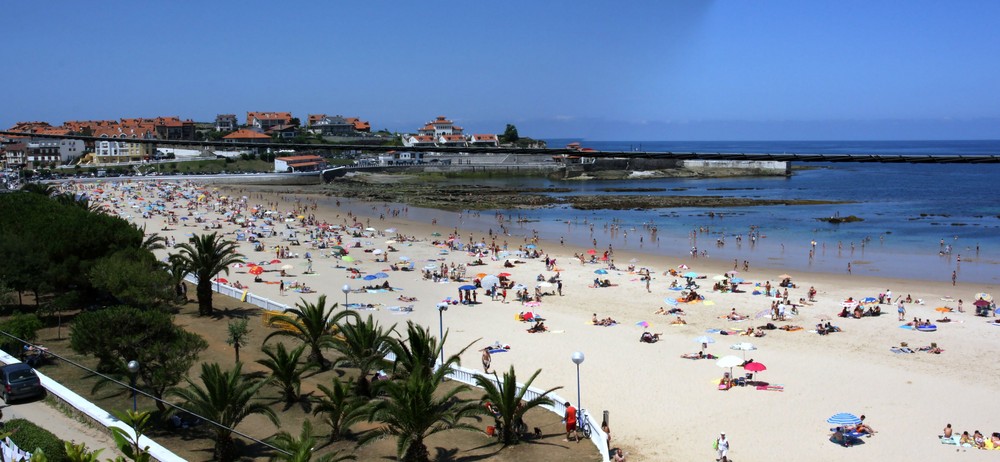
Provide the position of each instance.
(244, 134)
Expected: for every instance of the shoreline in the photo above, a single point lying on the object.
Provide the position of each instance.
(648, 389)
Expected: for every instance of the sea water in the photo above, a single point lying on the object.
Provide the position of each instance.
(920, 221)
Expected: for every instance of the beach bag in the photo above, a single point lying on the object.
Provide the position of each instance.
(715, 445)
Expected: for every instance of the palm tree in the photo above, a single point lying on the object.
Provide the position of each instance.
(418, 353)
(286, 371)
(301, 449)
(39, 188)
(340, 409)
(177, 267)
(510, 403)
(414, 407)
(364, 346)
(225, 398)
(236, 335)
(312, 324)
(206, 256)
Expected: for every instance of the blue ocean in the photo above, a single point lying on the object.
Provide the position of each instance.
(921, 221)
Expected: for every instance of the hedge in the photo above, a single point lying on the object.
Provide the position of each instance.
(29, 437)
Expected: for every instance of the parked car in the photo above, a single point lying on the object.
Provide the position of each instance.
(19, 381)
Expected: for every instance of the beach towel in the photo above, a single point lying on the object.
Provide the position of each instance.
(498, 350)
(771, 387)
(904, 326)
(899, 350)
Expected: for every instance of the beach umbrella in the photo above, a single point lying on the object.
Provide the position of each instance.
(468, 287)
(682, 266)
(601, 271)
(843, 419)
(381, 275)
(849, 304)
(670, 301)
(221, 280)
(529, 246)
(755, 367)
(591, 251)
(520, 287)
(545, 284)
(378, 252)
(274, 262)
(370, 277)
(984, 296)
(704, 339)
(690, 274)
(732, 273)
(489, 281)
(981, 303)
(642, 324)
(404, 258)
(719, 277)
(743, 346)
(390, 230)
(256, 270)
(287, 267)
(347, 259)
(737, 280)
(533, 304)
(504, 275)
(869, 300)
(729, 362)
(481, 275)
(784, 276)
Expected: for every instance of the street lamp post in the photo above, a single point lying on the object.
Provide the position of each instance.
(442, 307)
(346, 290)
(133, 369)
(578, 359)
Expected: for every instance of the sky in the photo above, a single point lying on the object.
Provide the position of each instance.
(599, 70)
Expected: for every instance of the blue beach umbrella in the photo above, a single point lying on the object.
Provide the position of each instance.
(670, 301)
(530, 246)
(690, 274)
(843, 419)
(601, 271)
(468, 287)
(737, 280)
(381, 275)
(370, 277)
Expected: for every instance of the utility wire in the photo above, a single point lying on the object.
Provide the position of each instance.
(136, 390)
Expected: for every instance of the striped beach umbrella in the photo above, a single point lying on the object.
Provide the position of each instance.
(843, 419)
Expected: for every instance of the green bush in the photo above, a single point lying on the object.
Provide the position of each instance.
(23, 326)
(29, 437)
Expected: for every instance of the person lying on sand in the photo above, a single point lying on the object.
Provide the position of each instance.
(678, 321)
(698, 355)
(790, 328)
(734, 316)
(538, 327)
(403, 298)
(647, 337)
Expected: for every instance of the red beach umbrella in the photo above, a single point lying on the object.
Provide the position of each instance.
(256, 270)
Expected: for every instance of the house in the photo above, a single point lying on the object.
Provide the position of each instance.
(172, 128)
(452, 141)
(283, 131)
(332, 126)
(484, 140)
(226, 123)
(264, 121)
(246, 136)
(440, 126)
(46, 151)
(419, 140)
(305, 163)
(361, 126)
(14, 155)
(29, 127)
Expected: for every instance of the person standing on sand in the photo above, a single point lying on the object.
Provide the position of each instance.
(848, 267)
(954, 276)
(487, 360)
(722, 445)
(902, 311)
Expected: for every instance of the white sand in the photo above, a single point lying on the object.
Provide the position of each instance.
(663, 407)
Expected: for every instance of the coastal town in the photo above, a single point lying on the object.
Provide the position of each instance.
(41, 146)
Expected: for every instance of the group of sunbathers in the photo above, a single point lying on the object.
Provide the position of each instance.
(823, 329)
(847, 434)
(603, 322)
(975, 440)
(860, 312)
(599, 283)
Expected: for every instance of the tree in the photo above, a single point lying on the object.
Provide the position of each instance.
(206, 256)
(419, 353)
(119, 334)
(313, 325)
(133, 277)
(286, 370)
(225, 398)
(364, 346)
(128, 443)
(509, 135)
(413, 407)
(509, 400)
(301, 449)
(237, 334)
(340, 408)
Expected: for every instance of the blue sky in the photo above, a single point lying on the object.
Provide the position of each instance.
(638, 70)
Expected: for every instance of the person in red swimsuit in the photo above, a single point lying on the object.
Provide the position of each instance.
(570, 419)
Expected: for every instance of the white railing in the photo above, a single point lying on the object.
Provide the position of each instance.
(461, 374)
(250, 298)
(10, 452)
(99, 415)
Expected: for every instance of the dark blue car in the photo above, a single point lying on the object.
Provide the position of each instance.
(19, 381)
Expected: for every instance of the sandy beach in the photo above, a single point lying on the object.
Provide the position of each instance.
(662, 407)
